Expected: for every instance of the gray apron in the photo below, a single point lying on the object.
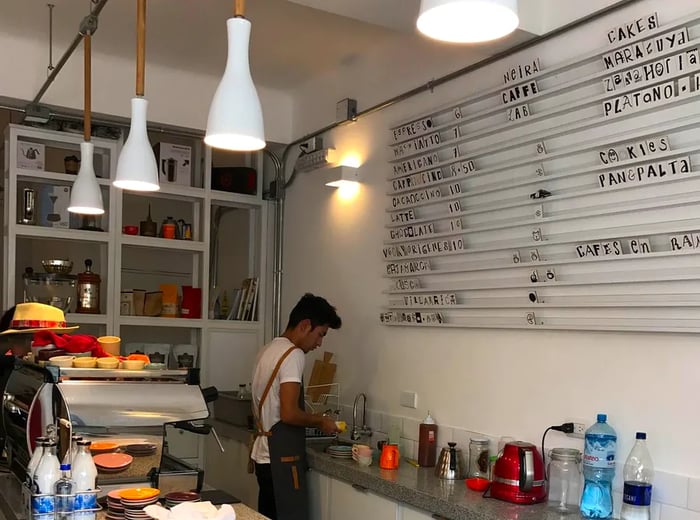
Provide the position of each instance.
(288, 465)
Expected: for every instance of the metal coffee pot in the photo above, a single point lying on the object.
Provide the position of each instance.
(450, 464)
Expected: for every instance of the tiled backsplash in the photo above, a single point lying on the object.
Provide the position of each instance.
(675, 497)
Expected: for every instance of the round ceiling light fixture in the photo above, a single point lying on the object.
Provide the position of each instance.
(467, 21)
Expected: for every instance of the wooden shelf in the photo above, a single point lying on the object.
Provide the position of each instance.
(163, 243)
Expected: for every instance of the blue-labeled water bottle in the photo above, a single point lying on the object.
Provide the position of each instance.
(598, 469)
(638, 474)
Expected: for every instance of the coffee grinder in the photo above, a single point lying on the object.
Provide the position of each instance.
(88, 290)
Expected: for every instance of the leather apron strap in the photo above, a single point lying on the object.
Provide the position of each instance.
(259, 430)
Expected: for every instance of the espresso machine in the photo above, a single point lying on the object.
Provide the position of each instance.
(120, 411)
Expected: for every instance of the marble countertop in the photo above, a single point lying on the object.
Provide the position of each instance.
(418, 487)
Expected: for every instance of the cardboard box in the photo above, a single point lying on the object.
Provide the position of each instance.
(30, 156)
(174, 163)
(53, 206)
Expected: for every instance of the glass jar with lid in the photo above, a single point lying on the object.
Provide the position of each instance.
(564, 471)
(478, 458)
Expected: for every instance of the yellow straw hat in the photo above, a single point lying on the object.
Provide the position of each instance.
(34, 317)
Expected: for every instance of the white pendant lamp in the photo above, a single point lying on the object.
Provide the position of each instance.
(467, 21)
(235, 116)
(137, 169)
(86, 195)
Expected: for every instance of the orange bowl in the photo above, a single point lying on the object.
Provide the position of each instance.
(477, 484)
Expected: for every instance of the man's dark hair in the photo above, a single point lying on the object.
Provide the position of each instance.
(315, 309)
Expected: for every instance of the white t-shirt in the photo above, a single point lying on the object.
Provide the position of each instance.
(291, 371)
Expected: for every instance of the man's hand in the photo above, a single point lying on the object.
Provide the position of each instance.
(328, 425)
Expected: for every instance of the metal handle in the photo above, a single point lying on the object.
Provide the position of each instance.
(527, 469)
(360, 488)
(218, 441)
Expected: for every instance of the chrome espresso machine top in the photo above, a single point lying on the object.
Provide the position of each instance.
(123, 411)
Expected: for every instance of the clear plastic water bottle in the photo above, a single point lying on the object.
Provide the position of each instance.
(64, 493)
(638, 475)
(598, 469)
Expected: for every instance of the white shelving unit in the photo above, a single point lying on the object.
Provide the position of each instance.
(224, 347)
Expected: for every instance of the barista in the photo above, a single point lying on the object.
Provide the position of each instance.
(279, 450)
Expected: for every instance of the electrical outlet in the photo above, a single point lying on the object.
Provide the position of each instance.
(409, 399)
(579, 428)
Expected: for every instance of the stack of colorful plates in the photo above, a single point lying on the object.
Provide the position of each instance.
(135, 499)
(140, 450)
(340, 452)
(115, 509)
(112, 462)
(178, 497)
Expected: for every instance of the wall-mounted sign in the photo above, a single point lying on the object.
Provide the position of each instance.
(639, 246)
(519, 92)
(416, 180)
(415, 266)
(645, 173)
(430, 300)
(633, 29)
(418, 144)
(415, 164)
(635, 150)
(412, 231)
(433, 247)
(415, 318)
(412, 129)
(684, 241)
(640, 100)
(522, 71)
(655, 71)
(591, 249)
(400, 217)
(405, 200)
(645, 49)
(407, 284)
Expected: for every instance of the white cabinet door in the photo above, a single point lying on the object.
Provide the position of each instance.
(349, 503)
(228, 471)
(410, 513)
(319, 493)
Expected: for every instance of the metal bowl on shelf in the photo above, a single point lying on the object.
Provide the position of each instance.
(57, 266)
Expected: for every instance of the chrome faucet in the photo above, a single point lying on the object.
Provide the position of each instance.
(358, 431)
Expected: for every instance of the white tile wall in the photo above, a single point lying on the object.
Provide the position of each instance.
(676, 497)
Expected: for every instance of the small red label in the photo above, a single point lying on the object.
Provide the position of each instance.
(431, 436)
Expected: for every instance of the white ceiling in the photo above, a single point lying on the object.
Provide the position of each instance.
(292, 40)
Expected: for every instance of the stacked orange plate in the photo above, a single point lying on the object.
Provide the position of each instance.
(135, 499)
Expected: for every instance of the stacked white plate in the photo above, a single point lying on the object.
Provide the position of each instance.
(340, 452)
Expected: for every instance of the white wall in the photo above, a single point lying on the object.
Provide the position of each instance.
(176, 97)
(492, 381)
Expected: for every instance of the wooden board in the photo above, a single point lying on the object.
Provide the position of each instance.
(322, 373)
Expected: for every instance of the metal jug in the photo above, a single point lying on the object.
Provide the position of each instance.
(450, 465)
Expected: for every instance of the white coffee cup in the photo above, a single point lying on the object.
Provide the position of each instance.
(364, 460)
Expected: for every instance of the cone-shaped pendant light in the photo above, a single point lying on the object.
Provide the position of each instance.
(137, 169)
(86, 195)
(467, 21)
(235, 116)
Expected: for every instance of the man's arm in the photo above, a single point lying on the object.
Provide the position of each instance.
(290, 413)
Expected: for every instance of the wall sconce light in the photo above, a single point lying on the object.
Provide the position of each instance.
(341, 176)
(467, 21)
